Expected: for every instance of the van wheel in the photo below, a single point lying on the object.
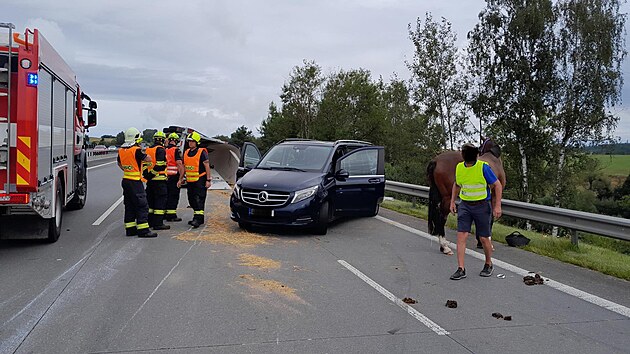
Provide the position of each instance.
(376, 209)
(54, 224)
(324, 216)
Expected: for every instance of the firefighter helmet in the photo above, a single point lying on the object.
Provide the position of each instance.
(173, 136)
(194, 137)
(132, 136)
(159, 135)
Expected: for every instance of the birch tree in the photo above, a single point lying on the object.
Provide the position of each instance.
(301, 96)
(511, 58)
(439, 89)
(591, 50)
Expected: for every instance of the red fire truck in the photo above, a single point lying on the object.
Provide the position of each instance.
(43, 162)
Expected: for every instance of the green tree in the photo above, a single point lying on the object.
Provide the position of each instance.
(275, 127)
(439, 89)
(242, 135)
(350, 108)
(590, 52)
(511, 64)
(301, 97)
(120, 138)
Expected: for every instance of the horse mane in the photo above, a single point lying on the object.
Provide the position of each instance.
(490, 146)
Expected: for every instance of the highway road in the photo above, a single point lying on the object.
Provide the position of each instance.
(218, 289)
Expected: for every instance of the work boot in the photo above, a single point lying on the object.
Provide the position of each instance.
(161, 227)
(174, 219)
(195, 223)
(132, 231)
(148, 234)
(460, 273)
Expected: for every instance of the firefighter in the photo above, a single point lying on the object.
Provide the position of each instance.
(175, 174)
(156, 183)
(195, 161)
(130, 160)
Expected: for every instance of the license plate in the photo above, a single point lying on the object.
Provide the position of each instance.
(261, 212)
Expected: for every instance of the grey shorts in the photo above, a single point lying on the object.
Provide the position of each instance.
(478, 212)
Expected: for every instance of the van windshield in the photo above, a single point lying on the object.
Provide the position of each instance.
(296, 157)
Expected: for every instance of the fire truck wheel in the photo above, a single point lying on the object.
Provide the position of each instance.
(54, 225)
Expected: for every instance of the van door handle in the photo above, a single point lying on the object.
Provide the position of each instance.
(374, 180)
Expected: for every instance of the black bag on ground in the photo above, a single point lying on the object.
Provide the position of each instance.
(516, 239)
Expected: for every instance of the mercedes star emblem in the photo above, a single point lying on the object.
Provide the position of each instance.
(263, 196)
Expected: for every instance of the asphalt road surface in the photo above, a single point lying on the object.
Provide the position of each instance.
(218, 289)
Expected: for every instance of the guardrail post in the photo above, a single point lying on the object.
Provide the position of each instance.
(574, 237)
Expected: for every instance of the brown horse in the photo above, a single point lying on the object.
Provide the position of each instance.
(441, 176)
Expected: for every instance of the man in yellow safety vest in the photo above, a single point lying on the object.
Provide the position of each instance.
(473, 181)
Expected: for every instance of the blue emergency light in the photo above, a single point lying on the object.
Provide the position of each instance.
(32, 79)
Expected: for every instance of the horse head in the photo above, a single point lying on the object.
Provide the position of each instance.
(490, 146)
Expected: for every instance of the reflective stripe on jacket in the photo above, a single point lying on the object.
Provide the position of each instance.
(192, 166)
(159, 175)
(171, 163)
(131, 169)
(472, 182)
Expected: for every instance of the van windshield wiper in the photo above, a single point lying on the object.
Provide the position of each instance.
(286, 168)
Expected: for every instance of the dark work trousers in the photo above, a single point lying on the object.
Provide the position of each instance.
(197, 197)
(156, 196)
(136, 207)
(172, 200)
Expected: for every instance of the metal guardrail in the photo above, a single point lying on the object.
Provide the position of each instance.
(604, 225)
(100, 154)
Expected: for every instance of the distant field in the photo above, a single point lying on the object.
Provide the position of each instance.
(614, 165)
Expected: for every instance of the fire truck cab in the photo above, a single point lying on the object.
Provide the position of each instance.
(43, 161)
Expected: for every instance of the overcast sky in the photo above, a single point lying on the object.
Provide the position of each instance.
(216, 65)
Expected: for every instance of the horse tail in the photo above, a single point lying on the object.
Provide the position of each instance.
(435, 198)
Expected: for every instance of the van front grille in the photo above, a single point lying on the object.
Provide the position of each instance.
(264, 198)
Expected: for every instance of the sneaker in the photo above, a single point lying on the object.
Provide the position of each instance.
(486, 271)
(460, 273)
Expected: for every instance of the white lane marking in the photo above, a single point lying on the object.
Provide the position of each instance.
(101, 165)
(107, 212)
(161, 282)
(410, 310)
(583, 295)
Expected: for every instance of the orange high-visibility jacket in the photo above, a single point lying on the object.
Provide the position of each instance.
(192, 166)
(131, 168)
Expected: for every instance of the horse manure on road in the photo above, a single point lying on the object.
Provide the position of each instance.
(451, 304)
(409, 300)
(533, 280)
(499, 316)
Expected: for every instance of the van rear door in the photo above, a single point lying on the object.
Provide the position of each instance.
(360, 182)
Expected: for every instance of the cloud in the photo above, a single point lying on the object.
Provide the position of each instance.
(219, 63)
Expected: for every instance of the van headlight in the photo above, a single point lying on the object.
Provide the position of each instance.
(304, 194)
(237, 191)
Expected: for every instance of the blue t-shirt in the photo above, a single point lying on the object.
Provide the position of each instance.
(490, 177)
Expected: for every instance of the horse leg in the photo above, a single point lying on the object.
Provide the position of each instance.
(444, 211)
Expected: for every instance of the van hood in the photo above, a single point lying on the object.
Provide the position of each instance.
(281, 181)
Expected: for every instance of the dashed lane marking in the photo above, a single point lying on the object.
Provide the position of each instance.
(101, 165)
(107, 212)
(410, 310)
(583, 295)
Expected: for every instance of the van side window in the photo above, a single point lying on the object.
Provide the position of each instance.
(361, 163)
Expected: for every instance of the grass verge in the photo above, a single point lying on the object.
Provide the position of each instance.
(591, 256)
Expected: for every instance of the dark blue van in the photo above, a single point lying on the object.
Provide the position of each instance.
(308, 183)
